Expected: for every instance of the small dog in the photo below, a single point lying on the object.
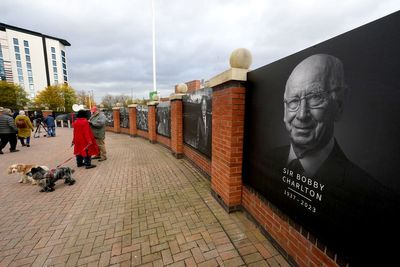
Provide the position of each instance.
(47, 178)
(25, 171)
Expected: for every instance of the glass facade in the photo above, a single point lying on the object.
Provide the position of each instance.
(18, 63)
(29, 69)
(64, 66)
(2, 71)
(54, 62)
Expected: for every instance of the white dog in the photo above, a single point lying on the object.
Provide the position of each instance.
(24, 170)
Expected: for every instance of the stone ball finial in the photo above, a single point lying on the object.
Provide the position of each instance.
(155, 98)
(182, 88)
(241, 58)
(46, 108)
(118, 105)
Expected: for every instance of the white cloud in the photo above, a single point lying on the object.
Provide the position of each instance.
(111, 48)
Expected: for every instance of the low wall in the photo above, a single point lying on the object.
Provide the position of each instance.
(124, 130)
(143, 134)
(164, 140)
(198, 159)
(297, 243)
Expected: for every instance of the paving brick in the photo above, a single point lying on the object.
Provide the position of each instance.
(121, 214)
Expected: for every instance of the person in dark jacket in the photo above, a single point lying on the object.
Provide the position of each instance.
(8, 130)
(51, 126)
(84, 142)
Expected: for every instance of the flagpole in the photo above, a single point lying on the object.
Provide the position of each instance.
(154, 45)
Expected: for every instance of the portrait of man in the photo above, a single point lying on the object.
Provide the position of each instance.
(312, 176)
(204, 128)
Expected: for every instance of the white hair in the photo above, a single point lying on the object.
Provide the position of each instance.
(21, 112)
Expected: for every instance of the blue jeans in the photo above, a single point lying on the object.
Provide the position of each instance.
(51, 131)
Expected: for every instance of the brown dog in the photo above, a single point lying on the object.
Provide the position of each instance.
(24, 170)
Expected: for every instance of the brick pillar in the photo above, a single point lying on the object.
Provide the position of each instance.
(228, 102)
(177, 125)
(117, 124)
(132, 120)
(151, 120)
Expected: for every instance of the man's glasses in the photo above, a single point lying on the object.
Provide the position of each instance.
(315, 100)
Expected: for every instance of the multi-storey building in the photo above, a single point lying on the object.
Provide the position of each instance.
(32, 59)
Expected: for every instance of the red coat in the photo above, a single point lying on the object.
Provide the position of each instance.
(84, 139)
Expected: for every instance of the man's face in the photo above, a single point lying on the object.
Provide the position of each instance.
(203, 108)
(310, 111)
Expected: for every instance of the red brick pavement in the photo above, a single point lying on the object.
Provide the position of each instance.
(140, 207)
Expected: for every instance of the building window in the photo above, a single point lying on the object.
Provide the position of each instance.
(19, 70)
(28, 58)
(17, 56)
(53, 56)
(53, 50)
(55, 69)
(26, 51)
(15, 40)
(64, 65)
(26, 44)
(16, 49)
(28, 66)
(54, 63)
(19, 64)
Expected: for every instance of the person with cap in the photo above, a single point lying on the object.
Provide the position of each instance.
(84, 142)
(98, 125)
(25, 128)
(8, 130)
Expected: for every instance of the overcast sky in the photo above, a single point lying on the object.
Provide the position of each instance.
(111, 41)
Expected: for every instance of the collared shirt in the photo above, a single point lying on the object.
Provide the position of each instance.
(312, 162)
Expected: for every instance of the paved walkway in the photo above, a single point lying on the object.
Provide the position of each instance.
(140, 207)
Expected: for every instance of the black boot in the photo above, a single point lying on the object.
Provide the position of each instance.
(88, 163)
(79, 161)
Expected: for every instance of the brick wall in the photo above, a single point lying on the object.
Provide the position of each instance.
(227, 142)
(117, 124)
(301, 246)
(152, 124)
(164, 140)
(177, 127)
(143, 134)
(198, 159)
(109, 129)
(192, 86)
(124, 130)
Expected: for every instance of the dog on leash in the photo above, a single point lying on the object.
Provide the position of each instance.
(25, 171)
(47, 178)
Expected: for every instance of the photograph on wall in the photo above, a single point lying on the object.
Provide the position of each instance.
(163, 119)
(197, 120)
(109, 117)
(322, 136)
(141, 117)
(124, 117)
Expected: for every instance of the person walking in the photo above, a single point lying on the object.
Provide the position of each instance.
(8, 130)
(98, 125)
(51, 126)
(84, 142)
(25, 128)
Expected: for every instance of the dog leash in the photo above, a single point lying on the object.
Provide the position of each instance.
(59, 165)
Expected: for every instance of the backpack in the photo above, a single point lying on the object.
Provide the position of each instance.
(21, 123)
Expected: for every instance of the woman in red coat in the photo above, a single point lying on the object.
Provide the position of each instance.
(85, 144)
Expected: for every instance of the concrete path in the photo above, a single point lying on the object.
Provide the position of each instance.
(140, 207)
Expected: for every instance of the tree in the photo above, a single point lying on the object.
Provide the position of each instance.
(85, 99)
(110, 101)
(57, 97)
(69, 96)
(12, 96)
